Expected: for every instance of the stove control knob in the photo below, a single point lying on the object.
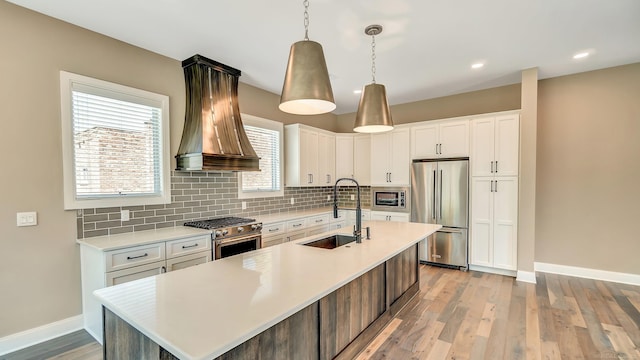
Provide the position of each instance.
(240, 229)
(256, 227)
(218, 233)
(225, 232)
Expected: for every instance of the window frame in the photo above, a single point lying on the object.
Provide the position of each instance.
(69, 81)
(270, 125)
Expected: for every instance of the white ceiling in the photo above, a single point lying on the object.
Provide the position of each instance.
(425, 51)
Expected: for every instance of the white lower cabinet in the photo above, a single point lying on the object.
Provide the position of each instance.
(389, 216)
(107, 268)
(494, 218)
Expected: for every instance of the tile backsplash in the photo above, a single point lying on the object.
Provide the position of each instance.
(202, 195)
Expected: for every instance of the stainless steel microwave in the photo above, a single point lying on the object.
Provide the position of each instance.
(390, 199)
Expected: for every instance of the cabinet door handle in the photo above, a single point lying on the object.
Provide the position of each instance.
(436, 149)
(189, 246)
(163, 269)
(319, 220)
(137, 257)
(496, 166)
(297, 225)
(490, 185)
(389, 177)
(274, 229)
(492, 167)
(496, 182)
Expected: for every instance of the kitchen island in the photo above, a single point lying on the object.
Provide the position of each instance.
(292, 300)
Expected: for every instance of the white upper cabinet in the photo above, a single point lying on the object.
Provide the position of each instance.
(345, 156)
(353, 157)
(442, 139)
(309, 156)
(326, 159)
(361, 159)
(390, 158)
(495, 145)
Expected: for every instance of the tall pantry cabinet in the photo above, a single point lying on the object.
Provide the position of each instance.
(494, 161)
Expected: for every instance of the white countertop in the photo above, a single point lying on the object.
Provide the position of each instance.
(120, 241)
(206, 310)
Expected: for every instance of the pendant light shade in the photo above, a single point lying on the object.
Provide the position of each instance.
(373, 111)
(307, 89)
(373, 114)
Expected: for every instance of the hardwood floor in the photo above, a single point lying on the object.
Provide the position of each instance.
(475, 315)
(484, 316)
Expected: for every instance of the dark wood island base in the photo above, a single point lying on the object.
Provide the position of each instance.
(338, 326)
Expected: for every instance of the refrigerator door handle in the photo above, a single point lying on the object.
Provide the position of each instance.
(440, 210)
(434, 195)
(450, 231)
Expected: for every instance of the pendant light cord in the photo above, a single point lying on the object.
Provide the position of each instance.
(373, 58)
(306, 19)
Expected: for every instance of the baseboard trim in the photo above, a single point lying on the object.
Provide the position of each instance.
(492, 270)
(595, 274)
(21, 340)
(526, 276)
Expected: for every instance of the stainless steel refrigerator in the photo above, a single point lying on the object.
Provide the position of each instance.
(440, 195)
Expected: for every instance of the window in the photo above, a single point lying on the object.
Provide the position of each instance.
(266, 138)
(115, 144)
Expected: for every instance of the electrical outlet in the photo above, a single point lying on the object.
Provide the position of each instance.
(124, 215)
(353, 197)
(328, 197)
(292, 201)
(27, 218)
(244, 205)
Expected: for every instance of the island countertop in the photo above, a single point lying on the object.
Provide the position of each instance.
(206, 310)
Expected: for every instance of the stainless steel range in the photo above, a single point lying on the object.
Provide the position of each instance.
(231, 235)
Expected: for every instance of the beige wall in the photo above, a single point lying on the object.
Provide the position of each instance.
(588, 170)
(477, 102)
(39, 266)
(527, 178)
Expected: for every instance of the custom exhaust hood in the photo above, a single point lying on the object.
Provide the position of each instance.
(213, 138)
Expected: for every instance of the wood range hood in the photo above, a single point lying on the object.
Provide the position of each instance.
(213, 138)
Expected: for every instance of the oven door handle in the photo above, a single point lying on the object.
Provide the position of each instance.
(235, 240)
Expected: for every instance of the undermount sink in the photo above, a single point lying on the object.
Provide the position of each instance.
(331, 242)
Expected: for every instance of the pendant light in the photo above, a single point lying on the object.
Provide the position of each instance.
(373, 111)
(306, 89)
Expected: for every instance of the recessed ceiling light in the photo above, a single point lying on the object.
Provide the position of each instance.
(581, 55)
(357, 91)
(477, 65)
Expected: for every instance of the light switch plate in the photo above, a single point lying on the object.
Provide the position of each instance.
(353, 197)
(244, 205)
(27, 218)
(292, 201)
(124, 215)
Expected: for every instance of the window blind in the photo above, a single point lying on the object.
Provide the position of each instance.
(266, 143)
(116, 145)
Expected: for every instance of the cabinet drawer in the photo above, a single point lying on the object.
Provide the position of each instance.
(273, 229)
(134, 256)
(318, 220)
(297, 224)
(338, 225)
(318, 229)
(296, 235)
(134, 273)
(186, 261)
(342, 216)
(271, 241)
(188, 246)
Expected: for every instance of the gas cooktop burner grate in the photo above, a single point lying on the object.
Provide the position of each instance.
(219, 222)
